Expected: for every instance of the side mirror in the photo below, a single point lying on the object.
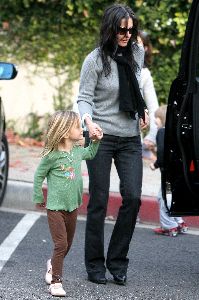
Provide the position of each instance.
(7, 71)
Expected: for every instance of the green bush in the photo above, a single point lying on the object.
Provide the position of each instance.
(60, 33)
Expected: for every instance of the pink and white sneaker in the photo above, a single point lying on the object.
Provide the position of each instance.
(182, 227)
(56, 289)
(48, 275)
(173, 232)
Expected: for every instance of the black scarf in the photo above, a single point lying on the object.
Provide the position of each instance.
(130, 98)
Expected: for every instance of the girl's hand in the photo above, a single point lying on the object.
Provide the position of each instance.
(40, 205)
(98, 135)
(93, 128)
(152, 166)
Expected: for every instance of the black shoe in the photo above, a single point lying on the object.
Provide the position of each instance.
(97, 278)
(120, 279)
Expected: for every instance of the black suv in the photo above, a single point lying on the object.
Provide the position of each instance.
(181, 170)
(7, 71)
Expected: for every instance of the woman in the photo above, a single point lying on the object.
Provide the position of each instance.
(109, 98)
(149, 95)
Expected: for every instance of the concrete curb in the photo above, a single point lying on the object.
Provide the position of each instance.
(19, 196)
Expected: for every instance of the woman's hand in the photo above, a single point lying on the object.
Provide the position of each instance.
(98, 136)
(149, 144)
(93, 128)
(144, 123)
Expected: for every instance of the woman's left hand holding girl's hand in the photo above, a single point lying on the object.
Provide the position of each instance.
(98, 135)
(144, 123)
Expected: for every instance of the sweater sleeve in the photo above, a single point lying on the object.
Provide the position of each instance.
(90, 151)
(39, 176)
(138, 51)
(150, 97)
(88, 82)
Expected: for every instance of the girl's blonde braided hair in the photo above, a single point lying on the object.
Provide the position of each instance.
(161, 114)
(59, 125)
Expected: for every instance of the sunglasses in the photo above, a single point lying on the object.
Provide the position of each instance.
(124, 30)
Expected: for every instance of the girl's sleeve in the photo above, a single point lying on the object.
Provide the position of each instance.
(90, 151)
(88, 81)
(39, 176)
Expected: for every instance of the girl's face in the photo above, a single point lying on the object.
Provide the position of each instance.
(76, 132)
(124, 32)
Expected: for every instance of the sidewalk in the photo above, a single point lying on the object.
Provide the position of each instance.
(23, 163)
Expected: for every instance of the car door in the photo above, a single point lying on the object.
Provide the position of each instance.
(180, 180)
(7, 71)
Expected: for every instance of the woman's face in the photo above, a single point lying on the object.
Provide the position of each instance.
(124, 32)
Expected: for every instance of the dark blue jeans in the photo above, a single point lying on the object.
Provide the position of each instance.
(127, 155)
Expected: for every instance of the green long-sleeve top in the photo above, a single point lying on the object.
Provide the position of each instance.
(64, 180)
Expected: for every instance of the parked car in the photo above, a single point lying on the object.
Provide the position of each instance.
(7, 71)
(181, 170)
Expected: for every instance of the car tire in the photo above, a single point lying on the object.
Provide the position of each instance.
(4, 163)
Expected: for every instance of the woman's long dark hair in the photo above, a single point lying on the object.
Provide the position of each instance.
(148, 57)
(109, 28)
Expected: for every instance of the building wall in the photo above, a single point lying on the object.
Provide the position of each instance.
(29, 93)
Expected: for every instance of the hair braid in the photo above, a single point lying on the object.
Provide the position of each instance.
(59, 125)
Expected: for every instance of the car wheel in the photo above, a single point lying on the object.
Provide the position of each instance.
(4, 163)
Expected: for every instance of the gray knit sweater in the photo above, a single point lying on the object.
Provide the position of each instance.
(98, 95)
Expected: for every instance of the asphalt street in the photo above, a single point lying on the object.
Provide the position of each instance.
(160, 267)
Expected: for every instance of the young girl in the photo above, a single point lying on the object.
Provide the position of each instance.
(170, 226)
(149, 95)
(61, 165)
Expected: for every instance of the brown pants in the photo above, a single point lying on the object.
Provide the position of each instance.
(62, 228)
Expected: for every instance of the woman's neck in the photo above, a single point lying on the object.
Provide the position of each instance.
(122, 50)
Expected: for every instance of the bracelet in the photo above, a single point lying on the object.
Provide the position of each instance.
(146, 111)
(95, 141)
